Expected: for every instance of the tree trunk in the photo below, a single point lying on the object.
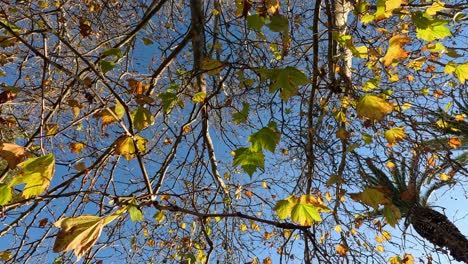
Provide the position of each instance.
(439, 230)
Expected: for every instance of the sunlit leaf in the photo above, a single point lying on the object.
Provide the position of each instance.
(159, 216)
(341, 250)
(249, 160)
(36, 173)
(199, 97)
(5, 194)
(395, 135)
(266, 138)
(125, 146)
(461, 71)
(108, 118)
(373, 107)
(305, 214)
(430, 29)
(136, 215)
(283, 208)
(371, 196)
(395, 49)
(12, 153)
(5, 255)
(380, 248)
(142, 118)
(435, 7)
(288, 79)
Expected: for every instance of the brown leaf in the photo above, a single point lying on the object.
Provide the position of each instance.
(43, 222)
(78, 234)
(12, 153)
(7, 96)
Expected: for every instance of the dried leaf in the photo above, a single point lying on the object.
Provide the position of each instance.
(12, 153)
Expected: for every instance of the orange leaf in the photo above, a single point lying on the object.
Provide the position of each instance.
(454, 142)
(341, 249)
(12, 153)
(395, 49)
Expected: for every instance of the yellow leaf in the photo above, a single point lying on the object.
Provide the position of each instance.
(78, 234)
(444, 177)
(338, 229)
(125, 146)
(51, 129)
(390, 165)
(328, 196)
(243, 227)
(264, 185)
(380, 248)
(391, 5)
(76, 147)
(36, 173)
(5, 255)
(386, 235)
(212, 66)
(373, 107)
(394, 260)
(395, 134)
(108, 118)
(12, 153)
(341, 249)
(395, 49)
(435, 7)
(267, 261)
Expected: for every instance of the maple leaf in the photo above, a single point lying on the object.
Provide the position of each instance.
(125, 146)
(36, 173)
(373, 107)
(395, 134)
(395, 49)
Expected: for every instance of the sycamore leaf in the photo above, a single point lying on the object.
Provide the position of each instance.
(341, 250)
(461, 71)
(284, 207)
(371, 196)
(199, 97)
(395, 134)
(305, 214)
(266, 138)
(36, 173)
(159, 216)
(395, 49)
(212, 66)
(392, 214)
(108, 118)
(373, 107)
(391, 5)
(435, 7)
(5, 194)
(288, 79)
(241, 117)
(169, 100)
(278, 23)
(12, 153)
(255, 22)
(135, 212)
(249, 160)
(429, 29)
(76, 147)
(142, 118)
(78, 234)
(125, 146)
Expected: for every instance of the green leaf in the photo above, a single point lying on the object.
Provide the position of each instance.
(36, 173)
(199, 97)
(430, 29)
(255, 22)
(5, 194)
(142, 118)
(278, 23)
(241, 117)
(135, 213)
(249, 160)
(107, 65)
(391, 214)
(305, 214)
(117, 53)
(288, 79)
(169, 100)
(159, 216)
(212, 66)
(147, 41)
(284, 208)
(266, 138)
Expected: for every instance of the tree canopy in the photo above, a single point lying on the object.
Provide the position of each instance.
(209, 131)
